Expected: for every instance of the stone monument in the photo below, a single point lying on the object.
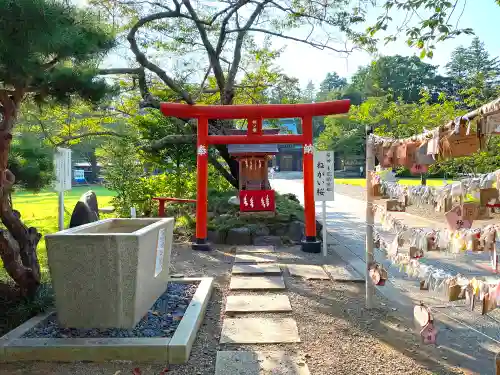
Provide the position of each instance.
(86, 210)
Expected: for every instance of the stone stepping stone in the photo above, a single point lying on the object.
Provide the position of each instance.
(254, 269)
(259, 331)
(259, 363)
(252, 303)
(307, 271)
(254, 249)
(254, 258)
(256, 282)
(344, 273)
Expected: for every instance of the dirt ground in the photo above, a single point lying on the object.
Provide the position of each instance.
(339, 336)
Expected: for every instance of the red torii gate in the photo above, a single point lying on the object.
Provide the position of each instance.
(254, 114)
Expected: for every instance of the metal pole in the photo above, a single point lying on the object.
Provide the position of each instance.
(61, 210)
(370, 162)
(325, 232)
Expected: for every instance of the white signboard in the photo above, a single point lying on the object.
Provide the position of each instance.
(160, 251)
(323, 176)
(79, 175)
(62, 165)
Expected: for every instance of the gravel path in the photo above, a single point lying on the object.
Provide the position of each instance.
(338, 335)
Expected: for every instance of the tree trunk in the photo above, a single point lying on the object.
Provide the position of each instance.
(178, 175)
(18, 244)
(423, 180)
(231, 162)
(216, 125)
(93, 166)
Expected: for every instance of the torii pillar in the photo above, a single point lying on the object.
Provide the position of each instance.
(254, 115)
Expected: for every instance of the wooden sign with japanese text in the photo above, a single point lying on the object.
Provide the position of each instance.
(257, 200)
(323, 176)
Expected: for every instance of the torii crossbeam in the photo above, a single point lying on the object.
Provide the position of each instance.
(255, 114)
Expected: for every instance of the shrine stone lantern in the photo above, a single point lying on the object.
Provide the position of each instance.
(255, 190)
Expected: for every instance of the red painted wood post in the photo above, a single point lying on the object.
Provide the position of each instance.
(311, 244)
(202, 186)
(161, 207)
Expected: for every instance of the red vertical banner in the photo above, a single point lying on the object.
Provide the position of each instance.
(308, 165)
(202, 181)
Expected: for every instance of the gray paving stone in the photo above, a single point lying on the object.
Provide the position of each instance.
(307, 271)
(344, 273)
(254, 258)
(259, 331)
(253, 303)
(259, 363)
(254, 249)
(254, 269)
(256, 282)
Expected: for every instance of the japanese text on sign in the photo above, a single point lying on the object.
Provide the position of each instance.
(62, 166)
(323, 176)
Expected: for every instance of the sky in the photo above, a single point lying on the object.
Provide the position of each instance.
(480, 15)
(310, 64)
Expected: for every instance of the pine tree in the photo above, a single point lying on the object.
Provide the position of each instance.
(47, 51)
(475, 74)
(309, 92)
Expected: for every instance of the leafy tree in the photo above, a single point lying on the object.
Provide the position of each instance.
(345, 135)
(286, 91)
(46, 51)
(31, 161)
(213, 46)
(213, 43)
(425, 22)
(309, 93)
(131, 173)
(331, 87)
(123, 171)
(475, 74)
(401, 77)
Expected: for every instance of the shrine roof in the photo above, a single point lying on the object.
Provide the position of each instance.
(253, 149)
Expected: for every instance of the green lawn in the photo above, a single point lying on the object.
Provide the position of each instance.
(403, 181)
(40, 211)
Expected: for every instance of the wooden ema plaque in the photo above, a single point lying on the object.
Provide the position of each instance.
(487, 195)
(419, 169)
(460, 217)
(456, 145)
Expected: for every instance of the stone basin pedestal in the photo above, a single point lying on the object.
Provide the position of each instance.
(107, 274)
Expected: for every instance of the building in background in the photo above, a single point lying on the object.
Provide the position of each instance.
(289, 157)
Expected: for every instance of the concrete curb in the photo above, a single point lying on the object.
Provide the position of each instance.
(179, 347)
(14, 348)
